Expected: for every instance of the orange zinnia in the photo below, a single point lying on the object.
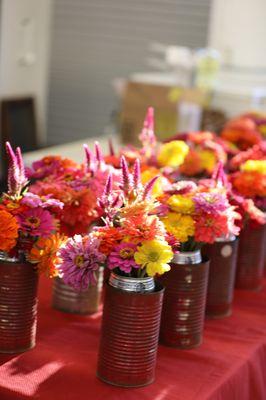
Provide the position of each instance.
(8, 230)
(44, 254)
(109, 237)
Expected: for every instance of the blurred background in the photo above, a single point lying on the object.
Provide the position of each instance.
(72, 70)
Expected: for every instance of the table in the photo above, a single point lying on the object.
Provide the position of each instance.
(230, 364)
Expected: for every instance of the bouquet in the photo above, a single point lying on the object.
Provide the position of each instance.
(25, 217)
(245, 131)
(133, 241)
(196, 214)
(77, 186)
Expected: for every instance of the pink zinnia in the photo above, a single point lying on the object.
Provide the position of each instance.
(122, 257)
(80, 259)
(36, 222)
(33, 200)
(210, 203)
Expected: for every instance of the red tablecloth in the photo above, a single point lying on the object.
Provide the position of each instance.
(230, 365)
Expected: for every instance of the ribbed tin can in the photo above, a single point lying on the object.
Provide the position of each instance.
(129, 337)
(250, 262)
(223, 258)
(68, 300)
(18, 306)
(184, 304)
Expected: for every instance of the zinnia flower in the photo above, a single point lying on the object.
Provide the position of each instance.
(80, 259)
(181, 204)
(154, 255)
(122, 257)
(33, 200)
(210, 202)
(143, 227)
(208, 160)
(179, 225)
(36, 222)
(254, 166)
(172, 154)
(109, 237)
(210, 227)
(44, 253)
(8, 231)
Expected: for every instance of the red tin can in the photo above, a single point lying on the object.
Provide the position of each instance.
(68, 300)
(129, 337)
(223, 258)
(250, 262)
(18, 306)
(184, 304)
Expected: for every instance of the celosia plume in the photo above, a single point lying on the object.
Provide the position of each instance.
(90, 161)
(16, 173)
(147, 136)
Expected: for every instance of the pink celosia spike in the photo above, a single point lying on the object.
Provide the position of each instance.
(147, 136)
(125, 174)
(89, 158)
(98, 154)
(219, 175)
(136, 174)
(148, 188)
(20, 162)
(109, 185)
(13, 171)
(111, 147)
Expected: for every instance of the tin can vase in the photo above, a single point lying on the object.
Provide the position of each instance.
(18, 305)
(130, 331)
(184, 301)
(250, 262)
(68, 300)
(223, 258)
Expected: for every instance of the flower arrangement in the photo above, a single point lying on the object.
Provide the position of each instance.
(25, 217)
(198, 214)
(205, 151)
(77, 186)
(133, 241)
(244, 131)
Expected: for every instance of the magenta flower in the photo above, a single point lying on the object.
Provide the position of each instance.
(36, 222)
(33, 200)
(122, 257)
(210, 203)
(80, 259)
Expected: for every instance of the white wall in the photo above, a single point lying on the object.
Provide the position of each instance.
(24, 52)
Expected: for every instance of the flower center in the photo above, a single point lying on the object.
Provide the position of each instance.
(79, 261)
(153, 256)
(34, 221)
(208, 222)
(127, 252)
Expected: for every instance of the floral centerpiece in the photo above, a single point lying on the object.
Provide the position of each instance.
(25, 219)
(248, 190)
(194, 215)
(134, 245)
(77, 186)
(245, 131)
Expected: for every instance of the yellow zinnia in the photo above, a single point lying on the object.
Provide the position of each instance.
(172, 154)
(179, 225)
(207, 160)
(254, 166)
(154, 255)
(181, 204)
